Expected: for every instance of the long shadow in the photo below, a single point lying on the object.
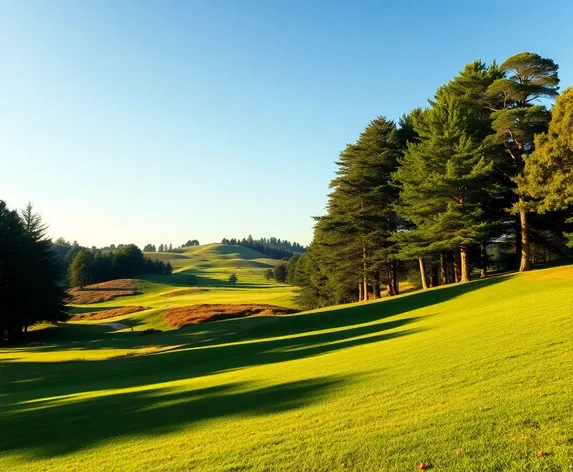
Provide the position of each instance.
(72, 426)
(187, 361)
(365, 313)
(260, 342)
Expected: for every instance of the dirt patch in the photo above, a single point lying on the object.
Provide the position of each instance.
(104, 314)
(196, 314)
(103, 291)
(187, 291)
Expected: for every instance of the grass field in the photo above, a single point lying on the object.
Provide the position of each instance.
(200, 277)
(473, 377)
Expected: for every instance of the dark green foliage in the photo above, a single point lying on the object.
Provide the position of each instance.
(442, 180)
(280, 273)
(516, 119)
(437, 193)
(93, 267)
(233, 279)
(29, 274)
(269, 274)
(271, 247)
(353, 252)
(190, 243)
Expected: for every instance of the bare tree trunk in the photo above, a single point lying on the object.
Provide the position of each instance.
(434, 276)
(364, 270)
(389, 279)
(360, 291)
(377, 293)
(465, 270)
(524, 262)
(443, 270)
(483, 261)
(423, 273)
(457, 275)
(395, 282)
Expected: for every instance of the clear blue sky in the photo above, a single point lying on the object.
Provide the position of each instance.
(162, 121)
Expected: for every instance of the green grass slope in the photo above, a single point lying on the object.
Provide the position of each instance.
(207, 267)
(474, 377)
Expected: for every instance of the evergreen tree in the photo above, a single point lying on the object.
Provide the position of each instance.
(548, 174)
(233, 279)
(442, 178)
(354, 238)
(29, 274)
(516, 119)
(280, 273)
(79, 271)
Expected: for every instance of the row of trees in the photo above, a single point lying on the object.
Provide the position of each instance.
(90, 267)
(485, 168)
(272, 247)
(29, 274)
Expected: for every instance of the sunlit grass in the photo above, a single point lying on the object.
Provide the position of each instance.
(466, 378)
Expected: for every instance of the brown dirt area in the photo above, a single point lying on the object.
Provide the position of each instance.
(196, 314)
(104, 314)
(104, 291)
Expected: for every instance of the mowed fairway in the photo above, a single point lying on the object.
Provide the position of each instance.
(200, 276)
(474, 377)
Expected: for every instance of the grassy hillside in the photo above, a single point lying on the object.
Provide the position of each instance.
(206, 267)
(474, 377)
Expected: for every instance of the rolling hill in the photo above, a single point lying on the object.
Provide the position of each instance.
(200, 277)
(472, 377)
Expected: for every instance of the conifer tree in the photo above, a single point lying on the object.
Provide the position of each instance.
(516, 119)
(441, 179)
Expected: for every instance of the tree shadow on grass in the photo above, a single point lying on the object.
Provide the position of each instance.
(183, 362)
(261, 341)
(74, 425)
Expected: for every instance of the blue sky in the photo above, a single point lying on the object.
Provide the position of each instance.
(163, 121)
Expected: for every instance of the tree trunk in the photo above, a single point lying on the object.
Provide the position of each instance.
(434, 276)
(377, 293)
(465, 270)
(423, 273)
(360, 291)
(524, 262)
(483, 261)
(390, 282)
(457, 275)
(364, 270)
(395, 282)
(443, 270)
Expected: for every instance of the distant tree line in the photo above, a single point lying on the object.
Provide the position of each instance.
(90, 267)
(29, 274)
(271, 247)
(484, 172)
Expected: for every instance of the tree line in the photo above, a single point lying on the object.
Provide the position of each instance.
(271, 247)
(29, 274)
(484, 172)
(90, 267)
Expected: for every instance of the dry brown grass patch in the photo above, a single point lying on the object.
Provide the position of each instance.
(104, 291)
(196, 314)
(187, 291)
(104, 314)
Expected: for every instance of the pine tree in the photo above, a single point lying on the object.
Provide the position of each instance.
(79, 271)
(516, 119)
(441, 179)
(353, 241)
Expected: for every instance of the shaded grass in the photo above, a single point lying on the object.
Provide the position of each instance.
(482, 367)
